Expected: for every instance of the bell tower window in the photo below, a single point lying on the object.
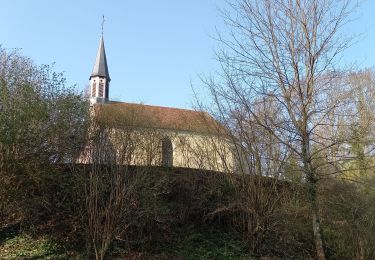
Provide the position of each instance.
(101, 88)
(93, 89)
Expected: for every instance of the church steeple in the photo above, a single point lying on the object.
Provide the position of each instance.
(99, 79)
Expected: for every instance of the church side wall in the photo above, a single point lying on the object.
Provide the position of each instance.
(144, 147)
(203, 152)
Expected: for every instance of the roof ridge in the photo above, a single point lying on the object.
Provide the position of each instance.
(139, 104)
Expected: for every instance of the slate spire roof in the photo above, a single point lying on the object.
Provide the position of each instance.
(100, 67)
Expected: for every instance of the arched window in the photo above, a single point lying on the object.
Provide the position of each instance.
(166, 152)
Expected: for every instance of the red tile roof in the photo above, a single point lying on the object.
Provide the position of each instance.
(146, 116)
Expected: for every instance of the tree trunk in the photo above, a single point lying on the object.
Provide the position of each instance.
(317, 237)
(311, 182)
(311, 193)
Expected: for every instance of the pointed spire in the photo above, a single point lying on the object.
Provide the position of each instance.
(100, 67)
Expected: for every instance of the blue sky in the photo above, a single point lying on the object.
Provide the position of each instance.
(154, 48)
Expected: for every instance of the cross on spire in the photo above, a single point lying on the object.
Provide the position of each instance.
(103, 20)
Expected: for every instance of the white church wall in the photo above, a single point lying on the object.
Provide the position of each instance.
(189, 150)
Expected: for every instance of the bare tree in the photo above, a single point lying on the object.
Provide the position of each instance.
(107, 157)
(118, 152)
(283, 54)
(254, 156)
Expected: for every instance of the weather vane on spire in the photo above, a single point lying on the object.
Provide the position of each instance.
(103, 24)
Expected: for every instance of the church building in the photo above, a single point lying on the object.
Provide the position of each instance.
(153, 135)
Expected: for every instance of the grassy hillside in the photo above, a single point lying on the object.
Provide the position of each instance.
(179, 214)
